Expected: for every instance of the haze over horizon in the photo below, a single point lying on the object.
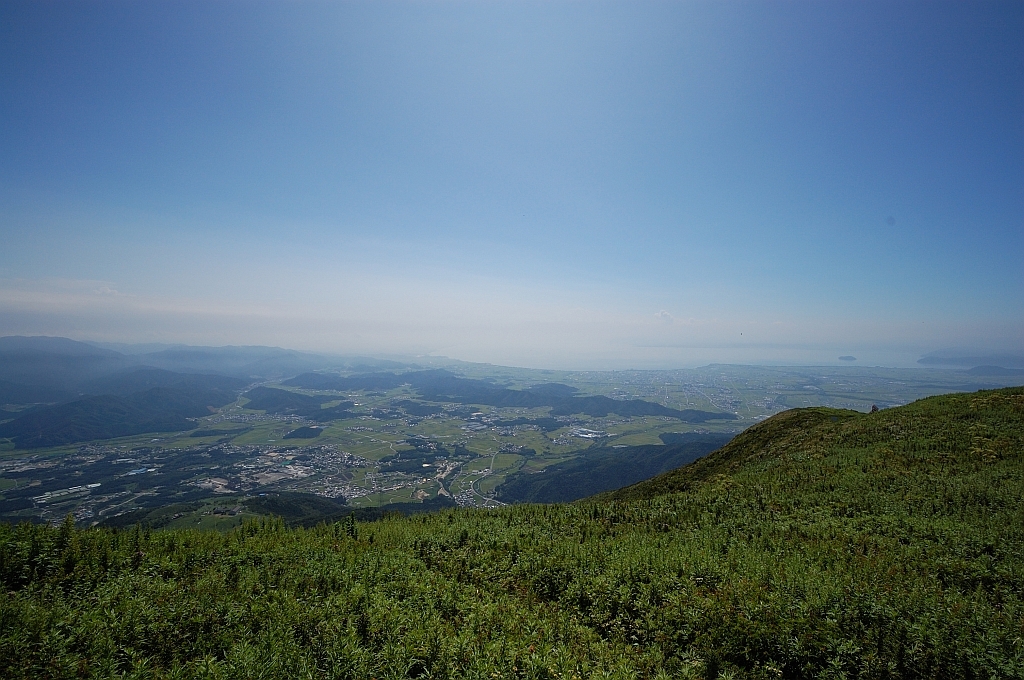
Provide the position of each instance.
(551, 185)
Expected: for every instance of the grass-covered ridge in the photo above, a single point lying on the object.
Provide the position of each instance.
(817, 544)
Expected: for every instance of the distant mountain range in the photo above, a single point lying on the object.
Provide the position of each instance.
(70, 391)
(159, 409)
(67, 391)
(55, 391)
(967, 358)
(78, 367)
(117, 405)
(995, 371)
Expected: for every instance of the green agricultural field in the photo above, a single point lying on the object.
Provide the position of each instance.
(488, 484)
(479, 465)
(504, 461)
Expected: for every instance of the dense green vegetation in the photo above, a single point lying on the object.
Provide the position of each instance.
(229, 432)
(296, 507)
(817, 544)
(304, 433)
(273, 400)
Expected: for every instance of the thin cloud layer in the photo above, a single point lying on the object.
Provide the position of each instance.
(536, 331)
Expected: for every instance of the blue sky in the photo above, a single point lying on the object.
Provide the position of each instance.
(545, 184)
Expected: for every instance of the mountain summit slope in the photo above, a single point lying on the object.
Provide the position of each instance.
(819, 544)
(949, 434)
(787, 429)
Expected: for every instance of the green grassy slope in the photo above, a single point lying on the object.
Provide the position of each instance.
(950, 434)
(765, 440)
(820, 544)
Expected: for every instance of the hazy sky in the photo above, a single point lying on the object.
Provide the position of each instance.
(575, 184)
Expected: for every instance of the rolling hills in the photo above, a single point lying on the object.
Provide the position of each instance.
(820, 543)
(277, 401)
(442, 386)
(71, 366)
(159, 409)
(122, 403)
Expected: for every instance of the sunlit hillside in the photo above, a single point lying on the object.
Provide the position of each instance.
(818, 544)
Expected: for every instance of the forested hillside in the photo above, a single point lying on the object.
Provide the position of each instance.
(818, 544)
(603, 468)
(160, 409)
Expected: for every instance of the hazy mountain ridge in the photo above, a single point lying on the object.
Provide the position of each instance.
(70, 365)
(967, 358)
(119, 404)
(98, 393)
(141, 379)
(55, 363)
(159, 409)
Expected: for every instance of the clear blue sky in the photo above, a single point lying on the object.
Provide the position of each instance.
(576, 184)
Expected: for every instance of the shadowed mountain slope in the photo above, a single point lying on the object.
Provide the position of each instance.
(141, 379)
(160, 409)
(242, 362)
(124, 403)
(55, 363)
(273, 400)
(604, 468)
(14, 393)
